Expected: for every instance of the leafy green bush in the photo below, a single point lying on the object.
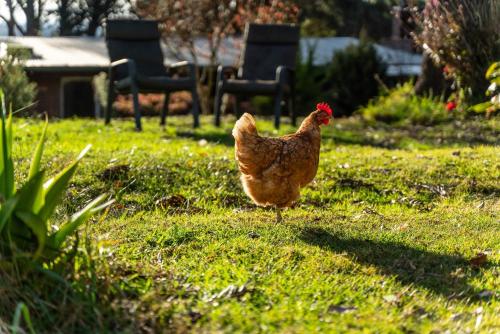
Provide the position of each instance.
(309, 83)
(348, 82)
(401, 106)
(25, 233)
(351, 77)
(309, 87)
(19, 92)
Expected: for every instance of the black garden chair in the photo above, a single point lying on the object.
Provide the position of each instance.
(137, 67)
(267, 67)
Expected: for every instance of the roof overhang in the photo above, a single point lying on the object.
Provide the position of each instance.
(90, 55)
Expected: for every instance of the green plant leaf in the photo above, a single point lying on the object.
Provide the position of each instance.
(6, 210)
(5, 161)
(481, 106)
(493, 70)
(2, 101)
(496, 80)
(24, 202)
(102, 206)
(51, 274)
(9, 164)
(56, 186)
(31, 194)
(8, 133)
(38, 227)
(57, 238)
(21, 310)
(37, 155)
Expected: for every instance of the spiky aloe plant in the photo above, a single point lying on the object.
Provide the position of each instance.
(25, 213)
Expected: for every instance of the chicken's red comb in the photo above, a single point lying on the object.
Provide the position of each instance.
(324, 107)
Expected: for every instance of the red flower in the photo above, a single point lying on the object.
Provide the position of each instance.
(451, 105)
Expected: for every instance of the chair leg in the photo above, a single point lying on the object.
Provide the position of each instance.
(109, 107)
(293, 104)
(137, 113)
(217, 105)
(195, 107)
(291, 109)
(237, 109)
(277, 109)
(164, 110)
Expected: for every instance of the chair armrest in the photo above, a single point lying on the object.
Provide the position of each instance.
(129, 64)
(221, 70)
(182, 64)
(285, 75)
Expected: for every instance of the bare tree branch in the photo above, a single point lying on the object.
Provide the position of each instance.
(182, 22)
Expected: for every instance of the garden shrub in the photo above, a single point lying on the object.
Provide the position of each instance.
(150, 104)
(309, 87)
(493, 92)
(401, 106)
(348, 82)
(464, 36)
(309, 83)
(259, 105)
(352, 77)
(19, 92)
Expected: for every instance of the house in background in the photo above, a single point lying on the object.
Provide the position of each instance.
(64, 67)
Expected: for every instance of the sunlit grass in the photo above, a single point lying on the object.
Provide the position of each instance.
(380, 242)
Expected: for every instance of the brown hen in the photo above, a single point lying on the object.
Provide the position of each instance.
(273, 170)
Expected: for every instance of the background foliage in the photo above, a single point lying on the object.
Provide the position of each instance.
(464, 36)
(19, 92)
(400, 106)
(353, 77)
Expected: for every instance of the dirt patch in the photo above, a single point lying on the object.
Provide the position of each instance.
(114, 173)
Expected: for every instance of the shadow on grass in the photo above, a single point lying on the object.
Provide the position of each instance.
(392, 142)
(212, 137)
(439, 273)
(380, 135)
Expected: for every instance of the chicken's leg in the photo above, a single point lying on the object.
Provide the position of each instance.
(278, 215)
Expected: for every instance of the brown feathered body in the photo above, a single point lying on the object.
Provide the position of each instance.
(273, 170)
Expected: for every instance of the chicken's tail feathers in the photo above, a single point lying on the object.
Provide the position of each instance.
(244, 126)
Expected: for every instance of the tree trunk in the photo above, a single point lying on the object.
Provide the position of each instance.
(11, 24)
(431, 80)
(63, 12)
(31, 29)
(33, 16)
(98, 10)
(93, 25)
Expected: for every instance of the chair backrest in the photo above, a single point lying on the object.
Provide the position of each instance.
(267, 46)
(138, 40)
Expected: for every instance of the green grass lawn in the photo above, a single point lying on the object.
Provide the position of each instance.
(380, 242)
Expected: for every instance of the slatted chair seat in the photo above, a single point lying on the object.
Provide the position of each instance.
(250, 86)
(154, 84)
